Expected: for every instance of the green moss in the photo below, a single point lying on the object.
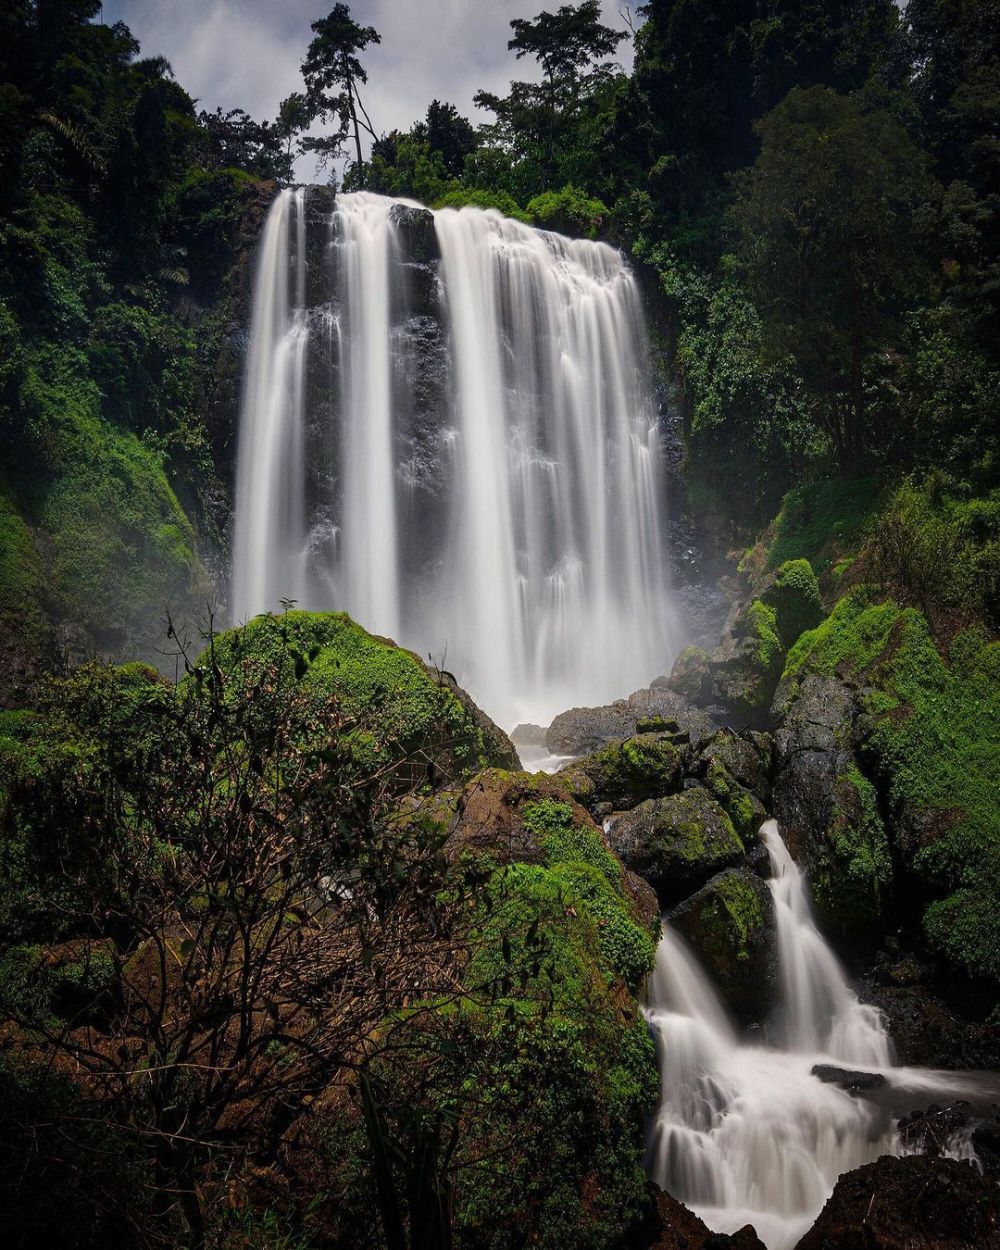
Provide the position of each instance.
(566, 1072)
(822, 520)
(851, 880)
(732, 917)
(796, 600)
(394, 707)
(647, 765)
(937, 757)
(746, 813)
(763, 621)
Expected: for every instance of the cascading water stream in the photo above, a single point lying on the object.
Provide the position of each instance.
(468, 462)
(745, 1133)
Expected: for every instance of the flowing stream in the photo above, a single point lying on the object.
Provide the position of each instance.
(745, 1134)
(448, 430)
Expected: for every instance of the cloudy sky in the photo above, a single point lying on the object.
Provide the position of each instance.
(247, 53)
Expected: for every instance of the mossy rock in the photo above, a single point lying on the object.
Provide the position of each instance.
(646, 766)
(396, 710)
(507, 817)
(677, 843)
(743, 807)
(748, 665)
(794, 595)
(851, 876)
(747, 756)
(730, 923)
(929, 744)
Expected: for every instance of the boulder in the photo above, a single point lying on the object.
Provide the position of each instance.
(646, 766)
(582, 730)
(516, 817)
(730, 923)
(671, 1226)
(848, 1079)
(744, 809)
(827, 808)
(794, 596)
(676, 843)
(398, 713)
(746, 666)
(912, 1203)
(747, 756)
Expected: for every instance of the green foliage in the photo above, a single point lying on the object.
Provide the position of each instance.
(936, 760)
(478, 198)
(796, 600)
(394, 706)
(568, 211)
(940, 548)
(821, 521)
(829, 221)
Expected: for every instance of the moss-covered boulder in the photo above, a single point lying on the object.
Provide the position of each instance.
(747, 756)
(924, 727)
(396, 710)
(744, 809)
(691, 675)
(794, 595)
(646, 766)
(747, 666)
(730, 923)
(851, 871)
(515, 817)
(677, 843)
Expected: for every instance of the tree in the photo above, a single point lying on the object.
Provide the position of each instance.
(565, 44)
(332, 72)
(451, 134)
(293, 118)
(829, 222)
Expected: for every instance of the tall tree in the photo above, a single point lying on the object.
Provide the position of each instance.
(569, 46)
(332, 72)
(828, 219)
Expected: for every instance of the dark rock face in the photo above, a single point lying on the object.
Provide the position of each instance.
(730, 923)
(849, 1080)
(582, 730)
(671, 1226)
(912, 1203)
(677, 843)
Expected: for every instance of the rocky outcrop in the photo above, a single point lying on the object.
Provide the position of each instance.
(909, 1204)
(646, 766)
(671, 1226)
(730, 923)
(677, 843)
(582, 730)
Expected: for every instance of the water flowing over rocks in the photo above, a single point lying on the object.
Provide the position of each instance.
(449, 430)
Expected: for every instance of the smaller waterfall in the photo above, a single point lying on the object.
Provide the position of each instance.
(745, 1134)
(823, 1014)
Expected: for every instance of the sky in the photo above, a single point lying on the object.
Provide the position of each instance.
(246, 53)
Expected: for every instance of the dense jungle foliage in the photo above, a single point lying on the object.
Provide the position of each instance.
(288, 939)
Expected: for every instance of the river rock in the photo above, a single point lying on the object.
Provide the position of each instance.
(911, 1203)
(730, 923)
(848, 1079)
(623, 774)
(585, 729)
(676, 843)
(747, 756)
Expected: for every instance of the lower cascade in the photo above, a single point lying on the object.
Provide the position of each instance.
(746, 1133)
(448, 431)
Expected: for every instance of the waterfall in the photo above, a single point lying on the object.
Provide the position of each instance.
(745, 1133)
(456, 442)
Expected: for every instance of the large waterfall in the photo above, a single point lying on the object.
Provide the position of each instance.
(747, 1133)
(448, 431)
